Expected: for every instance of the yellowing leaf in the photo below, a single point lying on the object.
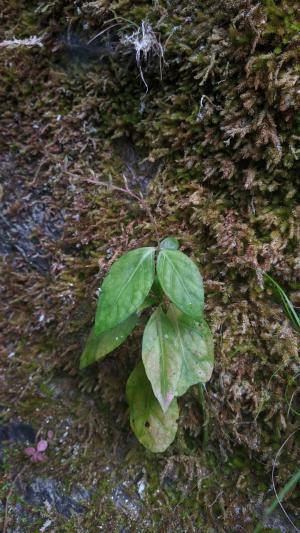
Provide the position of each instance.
(195, 343)
(161, 358)
(153, 427)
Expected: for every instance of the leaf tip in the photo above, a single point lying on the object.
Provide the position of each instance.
(169, 243)
(166, 400)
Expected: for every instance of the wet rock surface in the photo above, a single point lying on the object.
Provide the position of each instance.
(15, 432)
(27, 223)
(29, 216)
(49, 494)
(127, 503)
(278, 522)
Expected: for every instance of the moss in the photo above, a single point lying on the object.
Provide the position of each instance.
(222, 129)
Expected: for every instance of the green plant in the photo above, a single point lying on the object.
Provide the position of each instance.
(293, 316)
(177, 347)
(288, 307)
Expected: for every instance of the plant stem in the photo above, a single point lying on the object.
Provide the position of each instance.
(137, 197)
(205, 414)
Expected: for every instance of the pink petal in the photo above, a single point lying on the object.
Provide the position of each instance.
(40, 457)
(42, 445)
(50, 434)
(29, 451)
(34, 457)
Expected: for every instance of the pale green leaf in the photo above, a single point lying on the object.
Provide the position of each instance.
(98, 346)
(195, 344)
(170, 243)
(155, 429)
(125, 288)
(161, 358)
(181, 282)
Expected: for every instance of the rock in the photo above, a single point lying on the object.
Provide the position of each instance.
(16, 432)
(80, 494)
(62, 387)
(278, 522)
(49, 493)
(127, 503)
(28, 221)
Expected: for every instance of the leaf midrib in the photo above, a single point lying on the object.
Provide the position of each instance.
(131, 276)
(163, 382)
(178, 275)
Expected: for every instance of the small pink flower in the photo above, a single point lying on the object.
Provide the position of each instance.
(37, 454)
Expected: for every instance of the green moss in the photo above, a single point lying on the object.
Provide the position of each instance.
(222, 128)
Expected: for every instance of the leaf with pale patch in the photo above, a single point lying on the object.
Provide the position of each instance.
(161, 358)
(153, 427)
(195, 344)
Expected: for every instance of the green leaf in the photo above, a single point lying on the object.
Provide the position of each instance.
(170, 243)
(287, 304)
(125, 288)
(195, 344)
(98, 346)
(181, 282)
(155, 429)
(161, 358)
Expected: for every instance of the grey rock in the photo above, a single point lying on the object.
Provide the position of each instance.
(62, 387)
(26, 228)
(49, 493)
(127, 503)
(15, 432)
(80, 494)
